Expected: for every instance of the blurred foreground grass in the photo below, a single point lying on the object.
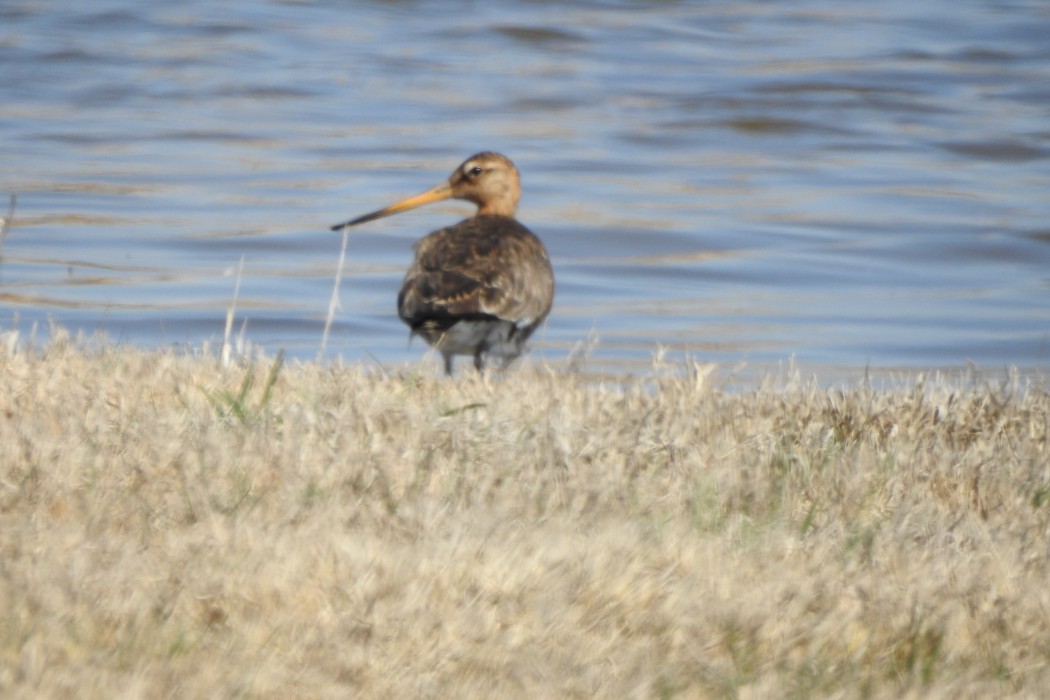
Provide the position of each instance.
(172, 528)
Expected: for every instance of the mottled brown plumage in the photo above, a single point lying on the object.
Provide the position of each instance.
(482, 286)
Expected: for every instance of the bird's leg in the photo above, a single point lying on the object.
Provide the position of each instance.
(448, 364)
(479, 363)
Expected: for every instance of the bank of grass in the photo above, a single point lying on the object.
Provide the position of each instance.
(172, 528)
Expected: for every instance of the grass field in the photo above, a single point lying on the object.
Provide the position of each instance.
(173, 528)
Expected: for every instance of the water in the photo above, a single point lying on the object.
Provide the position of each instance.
(846, 186)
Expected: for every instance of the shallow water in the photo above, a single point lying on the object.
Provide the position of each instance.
(847, 187)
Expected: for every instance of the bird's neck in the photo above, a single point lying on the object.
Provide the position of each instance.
(497, 209)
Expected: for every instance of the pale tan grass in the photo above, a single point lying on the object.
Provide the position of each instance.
(169, 529)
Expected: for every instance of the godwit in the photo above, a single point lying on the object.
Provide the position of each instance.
(482, 286)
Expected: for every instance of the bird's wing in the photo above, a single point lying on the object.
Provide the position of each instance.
(484, 267)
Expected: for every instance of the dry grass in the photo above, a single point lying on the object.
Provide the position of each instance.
(169, 529)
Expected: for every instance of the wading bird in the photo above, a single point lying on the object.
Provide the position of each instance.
(482, 286)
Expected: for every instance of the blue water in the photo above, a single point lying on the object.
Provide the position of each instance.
(837, 185)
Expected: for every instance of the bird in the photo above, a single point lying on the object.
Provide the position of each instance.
(482, 286)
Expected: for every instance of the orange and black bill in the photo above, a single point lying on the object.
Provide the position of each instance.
(435, 194)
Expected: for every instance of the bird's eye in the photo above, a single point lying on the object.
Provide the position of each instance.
(475, 171)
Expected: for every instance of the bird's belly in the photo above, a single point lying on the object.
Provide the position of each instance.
(489, 337)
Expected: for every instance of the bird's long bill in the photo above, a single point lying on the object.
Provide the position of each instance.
(435, 194)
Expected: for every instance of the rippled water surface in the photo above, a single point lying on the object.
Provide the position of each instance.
(740, 183)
